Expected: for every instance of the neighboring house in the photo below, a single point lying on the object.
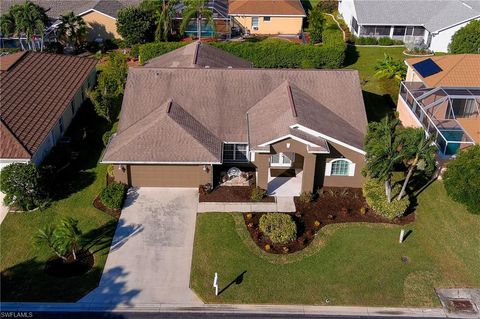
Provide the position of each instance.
(222, 23)
(268, 17)
(41, 93)
(100, 15)
(431, 23)
(442, 95)
(182, 127)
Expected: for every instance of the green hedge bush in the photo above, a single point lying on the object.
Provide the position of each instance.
(462, 179)
(258, 194)
(279, 228)
(374, 192)
(113, 195)
(151, 50)
(374, 41)
(277, 53)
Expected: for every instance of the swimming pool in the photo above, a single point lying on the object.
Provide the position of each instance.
(451, 136)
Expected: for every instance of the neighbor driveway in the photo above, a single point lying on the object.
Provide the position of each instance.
(151, 253)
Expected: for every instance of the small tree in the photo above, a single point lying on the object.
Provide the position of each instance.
(315, 21)
(46, 238)
(195, 9)
(467, 39)
(382, 147)
(135, 25)
(21, 184)
(390, 68)
(418, 152)
(68, 235)
(72, 30)
(164, 21)
(462, 179)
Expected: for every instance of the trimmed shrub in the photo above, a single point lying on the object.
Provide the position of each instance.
(462, 179)
(366, 41)
(277, 53)
(374, 192)
(305, 198)
(151, 50)
(113, 195)
(279, 228)
(385, 41)
(328, 6)
(258, 194)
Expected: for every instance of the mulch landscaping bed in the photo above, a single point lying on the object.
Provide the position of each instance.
(57, 267)
(97, 203)
(336, 205)
(231, 194)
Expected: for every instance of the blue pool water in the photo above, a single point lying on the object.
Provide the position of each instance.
(207, 30)
(452, 136)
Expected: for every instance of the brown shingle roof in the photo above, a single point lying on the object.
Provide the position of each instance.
(266, 7)
(218, 99)
(198, 55)
(36, 91)
(457, 70)
(11, 148)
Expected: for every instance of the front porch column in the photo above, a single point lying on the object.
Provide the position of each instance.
(262, 164)
(308, 172)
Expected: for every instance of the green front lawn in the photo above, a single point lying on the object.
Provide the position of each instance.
(22, 265)
(380, 95)
(348, 264)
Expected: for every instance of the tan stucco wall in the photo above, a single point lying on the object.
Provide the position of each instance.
(100, 25)
(313, 166)
(276, 25)
(338, 151)
(412, 76)
(404, 114)
(163, 175)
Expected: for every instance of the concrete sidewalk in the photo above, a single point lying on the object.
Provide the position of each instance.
(281, 204)
(233, 309)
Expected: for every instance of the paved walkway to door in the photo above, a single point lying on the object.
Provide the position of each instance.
(151, 253)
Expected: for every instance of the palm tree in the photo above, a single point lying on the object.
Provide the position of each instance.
(164, 20)
(196, 9)
(418, 151)
(68, 235)
(30, 20)
(382, 152)
(72, 30)
(46, 238)
(390, 68)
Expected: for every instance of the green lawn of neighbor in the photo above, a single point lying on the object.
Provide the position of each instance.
(21, 264)
(348, 264)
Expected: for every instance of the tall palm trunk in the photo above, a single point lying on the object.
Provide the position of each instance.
(409, 175)
(388, 189)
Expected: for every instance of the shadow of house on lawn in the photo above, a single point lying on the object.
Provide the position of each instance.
(377, 106)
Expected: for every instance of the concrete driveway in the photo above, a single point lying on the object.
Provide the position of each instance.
(151, 253)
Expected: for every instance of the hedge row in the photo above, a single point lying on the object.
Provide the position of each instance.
(375, 41)
(151, 50)
(277, 53)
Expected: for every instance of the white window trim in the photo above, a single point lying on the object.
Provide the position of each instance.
(234, 147)
(351, 167)
(255, 27)
(281, 163)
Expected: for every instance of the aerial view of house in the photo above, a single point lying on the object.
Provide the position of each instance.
(442, 95)
(39, 104)
(280, 122)
(240, 158)
(268, 17)
(430, 23)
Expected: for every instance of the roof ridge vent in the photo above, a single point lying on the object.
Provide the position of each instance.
(169, 105)
(290, 99)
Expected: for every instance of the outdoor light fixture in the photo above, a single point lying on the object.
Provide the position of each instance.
(205, 168)
(122, 168)
(288, 145)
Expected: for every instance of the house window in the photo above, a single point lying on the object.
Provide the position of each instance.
(399, 31)
(255, 23)
(235, 152)
(266, 19)
(355, 25)
(60, 124)
(340, 167)
(282, 159)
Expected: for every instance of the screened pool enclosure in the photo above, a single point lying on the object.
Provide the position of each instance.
(449, 114)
